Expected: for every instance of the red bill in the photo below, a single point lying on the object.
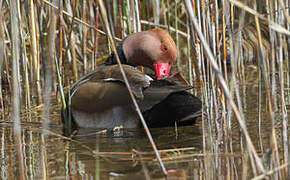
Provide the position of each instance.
(161, 69)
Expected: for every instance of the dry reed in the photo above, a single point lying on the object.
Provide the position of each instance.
(48, 46)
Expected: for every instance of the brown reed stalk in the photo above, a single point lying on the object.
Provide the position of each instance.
(15, 44)
(97, 158)
(73, 53)
(68, 163)
(167, 16)
(217, 28)
(270, 16)
(190, 65)
(25, 63)
(84, 36)
(6, 64)
(35, 53)
(33, 38)
(156, 11)
(177, 36)
(94, 34)
(60, 34)
(136, 16)
(44, 161)
(30, 155)
(72, 45)
(110, 19)
(273, 40)
(3, 149)
(2, 55)
(260, 110)
(224, 44)
(123, 18)
(226, 115)
(115, 12)
(129, 16)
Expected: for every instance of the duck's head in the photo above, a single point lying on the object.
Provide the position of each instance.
(154, 49)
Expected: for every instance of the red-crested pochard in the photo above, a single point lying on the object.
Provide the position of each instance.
(100, 99)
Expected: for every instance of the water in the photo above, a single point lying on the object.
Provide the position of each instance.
(127, 154)
(116, 154)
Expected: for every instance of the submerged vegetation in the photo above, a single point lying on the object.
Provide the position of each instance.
(226, 48)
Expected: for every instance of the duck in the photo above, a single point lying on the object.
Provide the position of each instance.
(100, 99)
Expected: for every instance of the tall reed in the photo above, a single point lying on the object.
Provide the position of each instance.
(15, 46)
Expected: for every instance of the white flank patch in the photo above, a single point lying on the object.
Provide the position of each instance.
(148, 77)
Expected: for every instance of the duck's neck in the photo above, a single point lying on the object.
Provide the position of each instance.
(111, 60)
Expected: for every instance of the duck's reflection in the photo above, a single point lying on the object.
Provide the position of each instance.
(127, 153)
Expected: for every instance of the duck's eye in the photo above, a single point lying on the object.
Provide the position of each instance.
(164, 48)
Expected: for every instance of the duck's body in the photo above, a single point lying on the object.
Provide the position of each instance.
(100, 99)
(109, 100)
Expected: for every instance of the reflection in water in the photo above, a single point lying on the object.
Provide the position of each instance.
(127, 154)
(121, 155)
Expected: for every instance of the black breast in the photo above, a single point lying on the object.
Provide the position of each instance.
(179, 108)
